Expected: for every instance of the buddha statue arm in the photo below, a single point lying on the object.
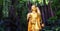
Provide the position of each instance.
(28, 16)
(38, 11)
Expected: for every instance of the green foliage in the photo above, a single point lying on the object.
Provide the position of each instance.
(1, 1)
(5, 9)
(53, 18)
(23, 13)
(55, 3)
(47, 1)
(23, 9)
(56, 7)
(58, 13)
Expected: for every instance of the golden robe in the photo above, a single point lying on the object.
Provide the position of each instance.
(34, 22)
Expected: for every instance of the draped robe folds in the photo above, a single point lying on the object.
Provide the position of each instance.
(34, 22)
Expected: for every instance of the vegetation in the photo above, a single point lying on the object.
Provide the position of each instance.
(20, 8)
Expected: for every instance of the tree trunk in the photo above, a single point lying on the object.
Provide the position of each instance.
(45, 10)
(51, 14)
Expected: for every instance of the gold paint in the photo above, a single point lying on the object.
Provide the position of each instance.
(34, 19)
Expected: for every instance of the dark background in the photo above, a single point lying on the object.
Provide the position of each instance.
(13, 14)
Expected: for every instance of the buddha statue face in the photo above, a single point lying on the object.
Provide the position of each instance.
(34, 8)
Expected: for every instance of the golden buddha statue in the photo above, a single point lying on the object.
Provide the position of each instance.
(34, 19)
